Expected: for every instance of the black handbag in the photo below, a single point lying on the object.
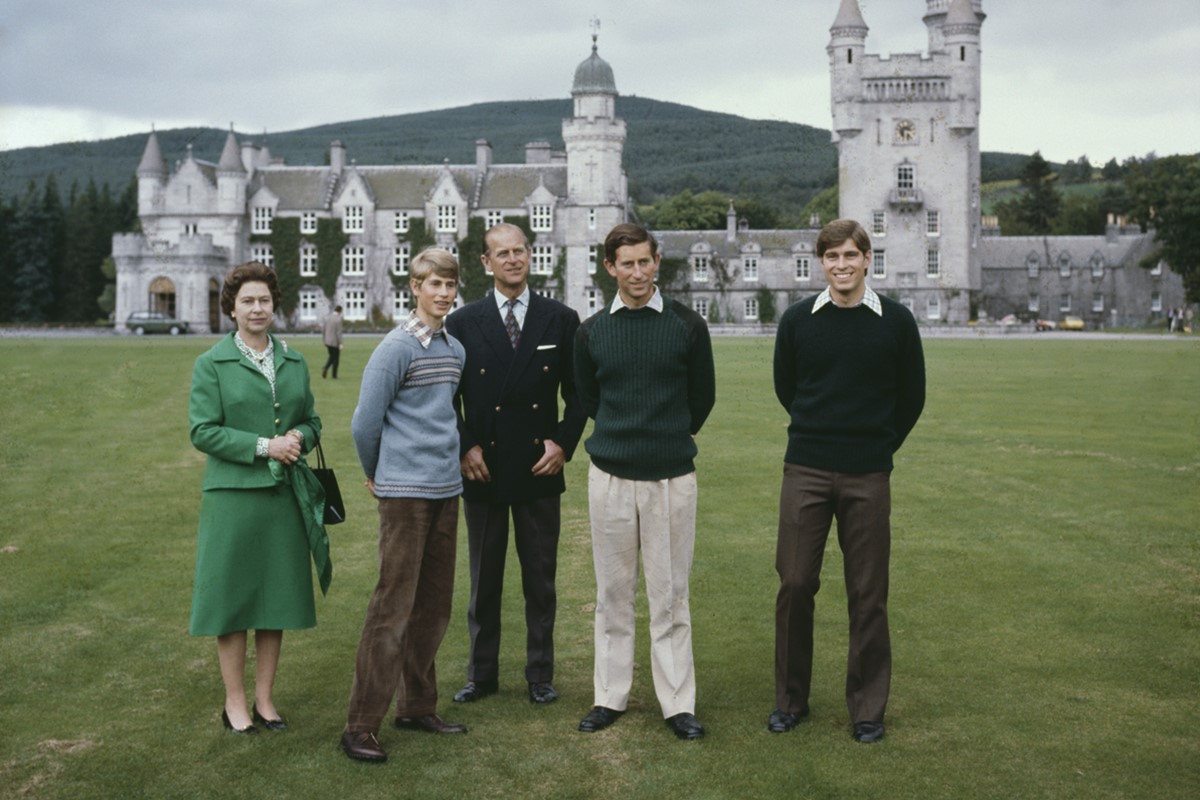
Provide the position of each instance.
(335, 509)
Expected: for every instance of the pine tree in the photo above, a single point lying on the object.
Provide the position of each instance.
(29, 246)
(1041, 203)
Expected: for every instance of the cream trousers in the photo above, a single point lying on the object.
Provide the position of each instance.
(659, 519)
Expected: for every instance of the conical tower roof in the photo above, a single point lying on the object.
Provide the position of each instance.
(849, 16)
(231, 158)
(152, 160)
(961, 13)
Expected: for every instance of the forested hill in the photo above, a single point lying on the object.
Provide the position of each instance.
(670, 147)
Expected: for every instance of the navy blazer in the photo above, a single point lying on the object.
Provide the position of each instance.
(507, 400)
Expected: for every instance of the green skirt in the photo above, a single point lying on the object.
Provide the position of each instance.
(252, 563)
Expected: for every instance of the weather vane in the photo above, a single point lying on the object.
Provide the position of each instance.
(594, 24)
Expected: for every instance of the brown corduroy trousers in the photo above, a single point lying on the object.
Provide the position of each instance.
(810, 499)
(408, 613)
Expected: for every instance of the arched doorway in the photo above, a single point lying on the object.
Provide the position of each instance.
(162, 296)
(214, 305)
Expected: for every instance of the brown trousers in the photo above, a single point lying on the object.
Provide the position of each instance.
(809, 501)
(408, 613)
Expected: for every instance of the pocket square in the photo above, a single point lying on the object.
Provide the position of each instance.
(546, 346)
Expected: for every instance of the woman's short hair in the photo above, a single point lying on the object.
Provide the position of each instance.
(247, 273)
(838, 231)
(435, 260)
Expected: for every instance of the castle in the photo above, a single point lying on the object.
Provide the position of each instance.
(906, 127)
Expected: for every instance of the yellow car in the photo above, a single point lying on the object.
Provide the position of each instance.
(1070, 324)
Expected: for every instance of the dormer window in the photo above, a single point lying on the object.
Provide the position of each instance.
(541, 218)
(353, 220)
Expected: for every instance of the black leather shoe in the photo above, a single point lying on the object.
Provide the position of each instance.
(782, 721)
(269, 724)
(362, 746)
(598, 719)
(249, 730)
(430, 723)
(542, 692)
(476, 690)
(867, 732)
(685, 726)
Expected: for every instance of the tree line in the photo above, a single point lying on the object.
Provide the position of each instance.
(55, 264)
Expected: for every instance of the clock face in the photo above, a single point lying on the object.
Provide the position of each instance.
(906, 131)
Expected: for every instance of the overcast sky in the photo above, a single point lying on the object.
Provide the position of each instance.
(1103, 78)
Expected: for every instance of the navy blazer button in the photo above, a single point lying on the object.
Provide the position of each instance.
(497, 408)
(537, 441)
(482, 371)
(493, 444)
(545, 369)
(535, 406)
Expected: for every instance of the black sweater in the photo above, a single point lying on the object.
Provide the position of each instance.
(852, 381)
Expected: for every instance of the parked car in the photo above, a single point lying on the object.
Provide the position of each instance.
(1070, 324)
(155, 322)
(1044, 325)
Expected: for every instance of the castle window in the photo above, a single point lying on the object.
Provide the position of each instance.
(1097, 265)
(1157, 268)
(308, 303)
(593, 254)
(962, 53)
(593, 301)
(190, 229)
(447, 219)
(803, 268)
(308, 261)
(933, 308)
(541, 218)
(933, 263)
(849, 56)
(261, 222)
(1097, 303)
(401, 303)
(354, 261)
(878, 263)
(700, 306)
(1064, 302)
(354, 304)
(1032, 265)
(400, 222)
(906, 178)
(751, 309)
(352, 219)
(308, 222)
(1034, 302)
(933, 223)
(542, 260)
(262, 253)
(591, 219)
(1156, 301)
(879, 223)
(400, 260)
(750, 268)
(494, 218)
(700, 269)
(1064, 265)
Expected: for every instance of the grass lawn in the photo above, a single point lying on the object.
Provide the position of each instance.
(1045, 599)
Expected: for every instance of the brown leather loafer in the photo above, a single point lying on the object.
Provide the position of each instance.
(362, 746)
(430, 723)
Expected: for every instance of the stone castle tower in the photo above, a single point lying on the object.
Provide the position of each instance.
(906, 127)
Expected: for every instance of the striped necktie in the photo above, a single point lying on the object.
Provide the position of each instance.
(510, 324)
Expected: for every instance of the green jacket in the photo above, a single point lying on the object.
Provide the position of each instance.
(231, 406)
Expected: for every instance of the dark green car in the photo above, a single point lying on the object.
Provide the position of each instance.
(140, 322)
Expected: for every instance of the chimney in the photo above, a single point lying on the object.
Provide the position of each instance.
(337, 156)
(483, 155)
(730, 223)
(537, 153)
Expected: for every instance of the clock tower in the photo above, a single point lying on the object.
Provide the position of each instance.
(906, 127)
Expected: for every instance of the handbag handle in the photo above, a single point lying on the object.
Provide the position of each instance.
(320, 456)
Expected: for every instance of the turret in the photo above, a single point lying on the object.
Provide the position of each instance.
(594, 137)
(936, 17)
(151, 177)
(847, 46)
(594, 89)
(231, 178)
(960, 35)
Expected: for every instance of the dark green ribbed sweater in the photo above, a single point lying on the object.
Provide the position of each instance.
(647, 379)
(853, 382)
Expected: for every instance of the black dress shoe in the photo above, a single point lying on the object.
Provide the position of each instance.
(269, 724)
(782, 721)
(685, 726)
(249, 730)
(430, 723)
(362, 746)
(542, 692)
(867, 732)
(598, 719)
(476, 690)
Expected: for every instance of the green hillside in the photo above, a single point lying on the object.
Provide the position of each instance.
(670, 147)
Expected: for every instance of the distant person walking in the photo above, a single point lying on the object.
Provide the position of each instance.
(251, 410)
(331, 332)
(850, 371)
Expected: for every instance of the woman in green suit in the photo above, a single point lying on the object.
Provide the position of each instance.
(251, 410)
